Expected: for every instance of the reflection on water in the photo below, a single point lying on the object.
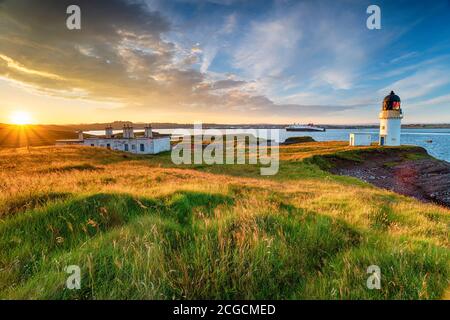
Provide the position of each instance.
(435, 141)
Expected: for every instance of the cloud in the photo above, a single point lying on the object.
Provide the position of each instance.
(419, 84)
(315, 46)
(295, 60)
(227, 84)
(338, 79)
(269, 46)
(121, 54)
(119, 42)
(442, 101)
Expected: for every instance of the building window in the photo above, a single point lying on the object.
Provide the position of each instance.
(142, 147)
(383, 127)
(108, 146)
(126, 147)
(92, 145)
(133, 147)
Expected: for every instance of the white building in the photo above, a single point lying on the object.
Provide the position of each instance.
(390, 121)
(360, 139)
(148, 142)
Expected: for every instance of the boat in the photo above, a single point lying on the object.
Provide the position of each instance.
(302, 127)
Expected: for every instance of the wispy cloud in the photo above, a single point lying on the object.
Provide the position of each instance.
(268, 48)
(420, 83)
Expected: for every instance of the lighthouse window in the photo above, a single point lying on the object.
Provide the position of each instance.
(142, 147)
(383, 127)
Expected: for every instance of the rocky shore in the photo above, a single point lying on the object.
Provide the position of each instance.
(409, 171)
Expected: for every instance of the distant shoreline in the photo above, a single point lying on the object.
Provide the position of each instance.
(119, 125)
(158, 125)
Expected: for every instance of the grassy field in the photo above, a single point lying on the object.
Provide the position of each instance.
(142, 228)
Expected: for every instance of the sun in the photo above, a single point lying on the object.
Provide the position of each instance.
(20, 118)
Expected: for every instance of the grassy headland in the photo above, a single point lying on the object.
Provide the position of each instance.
(142, 228)
(16, 136)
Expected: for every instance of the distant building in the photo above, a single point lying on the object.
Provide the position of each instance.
(360, 139)
(148, 142)
(391, 117)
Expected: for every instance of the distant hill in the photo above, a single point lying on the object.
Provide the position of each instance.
(13, 136)
(116, 125)
(168, 125)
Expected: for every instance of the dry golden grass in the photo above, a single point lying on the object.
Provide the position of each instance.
(252, 217)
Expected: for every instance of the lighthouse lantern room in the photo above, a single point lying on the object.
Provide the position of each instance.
(390, 121)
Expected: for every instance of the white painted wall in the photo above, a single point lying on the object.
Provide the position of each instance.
(161, 145)
(390, 129)
(138, 146)
(360, 139)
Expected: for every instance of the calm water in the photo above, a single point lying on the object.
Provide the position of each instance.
(439, 147)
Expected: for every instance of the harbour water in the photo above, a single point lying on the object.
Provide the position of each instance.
(435, 141)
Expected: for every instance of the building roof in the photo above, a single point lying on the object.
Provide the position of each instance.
(391, 102)
(137, 135)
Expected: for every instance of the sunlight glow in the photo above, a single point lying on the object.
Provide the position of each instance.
(20, 117)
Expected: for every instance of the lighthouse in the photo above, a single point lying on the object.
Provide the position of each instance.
(391, 117)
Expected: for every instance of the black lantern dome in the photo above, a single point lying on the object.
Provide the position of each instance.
(391, 102)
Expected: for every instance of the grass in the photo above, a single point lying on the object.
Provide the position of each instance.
(140, 227)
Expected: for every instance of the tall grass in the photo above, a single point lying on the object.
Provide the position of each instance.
(141, 228)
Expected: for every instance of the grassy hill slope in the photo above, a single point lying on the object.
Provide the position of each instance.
(14, 136)
(140, 227)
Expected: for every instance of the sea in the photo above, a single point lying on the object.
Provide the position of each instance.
(435, 141)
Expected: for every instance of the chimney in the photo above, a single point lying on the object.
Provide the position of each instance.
(80, 135)
(148, 131)
(125, 131)
(109, 132)
(128, 132)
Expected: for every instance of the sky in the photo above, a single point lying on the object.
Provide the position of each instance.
(223, 61)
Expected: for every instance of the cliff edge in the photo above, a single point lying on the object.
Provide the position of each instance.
(406, 170)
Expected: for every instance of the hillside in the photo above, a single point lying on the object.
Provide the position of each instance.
(142, 228)
(14, 136)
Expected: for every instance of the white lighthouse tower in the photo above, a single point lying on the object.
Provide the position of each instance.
(390, 121)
